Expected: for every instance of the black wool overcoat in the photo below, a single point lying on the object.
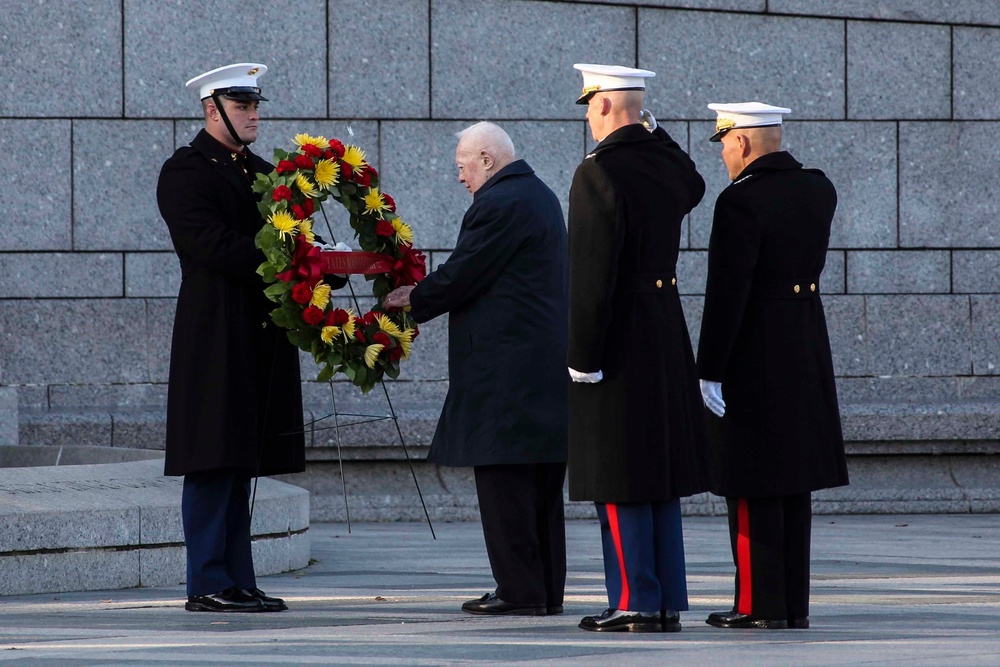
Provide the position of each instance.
(764, 337)
(504, 286)
(639, 434)
(234, 398)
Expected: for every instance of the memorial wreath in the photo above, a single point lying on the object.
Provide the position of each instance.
(362, 347)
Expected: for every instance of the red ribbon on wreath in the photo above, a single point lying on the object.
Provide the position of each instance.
(307, 265)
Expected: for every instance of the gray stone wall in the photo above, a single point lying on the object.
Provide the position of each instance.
(895, 99)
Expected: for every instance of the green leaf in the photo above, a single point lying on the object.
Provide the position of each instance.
(273, 292)
(392, 370)
(325, 374)
(350, 372)
(280, 316)
(302, 338)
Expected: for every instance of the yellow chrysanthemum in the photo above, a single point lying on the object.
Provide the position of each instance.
(349, 328)
(305, 186)
(374, 202)
(403, 232)
(405, 341)
(318, 142)
(327, 173)
(355, 157)
(284, 223)
(321, 296)
(328, 334)
(371, 354)
(388, 326)
(306, 229)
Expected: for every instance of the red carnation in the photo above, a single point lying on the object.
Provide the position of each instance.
(311, 150)
(337, 148)
(416, 332)
(328, 154)
(363, 178)
(302, 293)
(369, 317)
(382, 338)
(337, 317)
(285, 165)
(312, 315)
(360, 335)
(303, 162)
(298, 212)
(346, 171)
(308, 207)
(389, 201)
(384, 228)
(395, 354)
(282, 192)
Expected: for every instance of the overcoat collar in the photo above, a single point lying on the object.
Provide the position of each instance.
(629, 134)
(225, 160)
(777, 161)
(515, 168)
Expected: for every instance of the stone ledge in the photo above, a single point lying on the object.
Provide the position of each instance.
(92, 527)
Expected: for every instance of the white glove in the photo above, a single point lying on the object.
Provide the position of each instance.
(711, 393)
(340, 247)
(589, 378)
(647, 120)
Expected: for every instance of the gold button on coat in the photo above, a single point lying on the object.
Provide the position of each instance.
(673, 281)
(812, 287)
(796, 289)
(659, 283)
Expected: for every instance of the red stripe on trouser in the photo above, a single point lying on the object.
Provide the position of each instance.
(616, 535)
(745, 603)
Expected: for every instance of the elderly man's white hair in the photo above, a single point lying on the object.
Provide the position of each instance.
(489, 138)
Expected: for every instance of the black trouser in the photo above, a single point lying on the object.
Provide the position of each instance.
(770, 539)
(525, 530)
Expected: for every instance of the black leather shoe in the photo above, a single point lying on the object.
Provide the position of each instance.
(270, 603)
(615, 620)
(799, 623)
(732, 619)
(231, 599)
(492, 605)
(554, 609)
(670, 620)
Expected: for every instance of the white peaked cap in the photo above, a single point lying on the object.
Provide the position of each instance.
(604, 78)
(745, 114)
(238, 81)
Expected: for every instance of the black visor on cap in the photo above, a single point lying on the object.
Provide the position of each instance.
(240, 93)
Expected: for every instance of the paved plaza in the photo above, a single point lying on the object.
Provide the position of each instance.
(887, 590)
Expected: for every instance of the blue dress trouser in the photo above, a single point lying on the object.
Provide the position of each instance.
(215, 509)
(643, 556)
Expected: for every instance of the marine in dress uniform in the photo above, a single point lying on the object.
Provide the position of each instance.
(234, 403)
(776, 435)
(637, 440)
(505, 289)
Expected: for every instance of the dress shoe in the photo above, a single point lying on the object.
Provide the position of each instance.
(616, 620)
(670, 621)
(492, 605)
(270, 603)
(231, 600)
(799, 623)
(733, 619)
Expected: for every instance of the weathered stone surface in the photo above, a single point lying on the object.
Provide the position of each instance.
(156, 274)
(919, 335)
(65, 275)
(942, 202)
(159, 330)
(471, 84)
(845, 321)
(735, 5)
(833, 280)
(975, 271)
(897, 70)
(74, 33)
(104, 162)
(898, 389)
(169, 43)
(931, 11)
(795, 62)
(381, 72)
(898, 272)
(692, 271)
(43, 218)
(975, 52)
(56, 428)
(986, 334)
(8, 416)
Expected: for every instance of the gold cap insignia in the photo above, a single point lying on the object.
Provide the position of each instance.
(590, 89)
(253, 71)
(724, 124)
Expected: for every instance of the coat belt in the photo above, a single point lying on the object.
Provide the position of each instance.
(786, 288)
(650, 283)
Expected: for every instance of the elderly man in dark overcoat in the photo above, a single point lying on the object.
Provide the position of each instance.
(234, 399)
(776, 435)
(637, 442)
(504, 287)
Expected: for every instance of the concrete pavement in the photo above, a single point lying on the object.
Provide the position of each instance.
(887, 590)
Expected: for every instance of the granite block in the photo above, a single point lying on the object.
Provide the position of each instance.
(898, 271)
(796, 62)
(8, 417)
(941, 422)
(976, 271)
(896, 389)
(693, 307)
(60, 275)
(731, 5)
(166, 566)
(986, 335)
(437, 259)
(77, 455)
(846, 326)
(156, 274)
(858, 157)
(286, 510)
(919, 335)
(76, 345)
(897, 71)
(692, 271)
(984, 12)
(169, 43)
(379, 59)
(109, 395)
(69, 571)
(943, 203)
(429, 354)
(57, 428)
(161, 523)
(976, 51)
(979, 387)
(527, 71)
(17, 456)
(42, 217)
(44, 45)
(29, 523)
(157, 336)
(139, 428)
(31, 395)
(833, 279)
(104, 161)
